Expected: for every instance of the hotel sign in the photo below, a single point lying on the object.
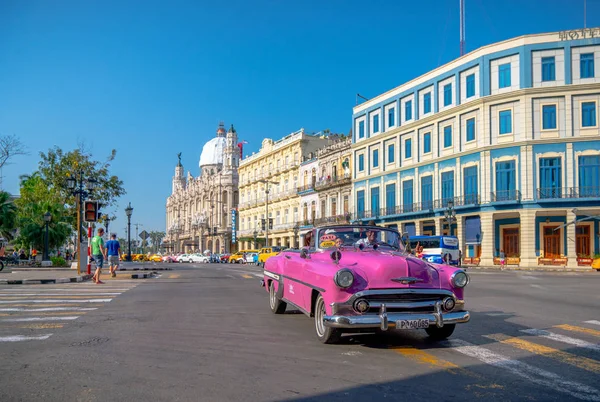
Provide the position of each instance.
(575, 34)
(233, 234)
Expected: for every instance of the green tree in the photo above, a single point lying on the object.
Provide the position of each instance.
(8, 216)
(156, 238)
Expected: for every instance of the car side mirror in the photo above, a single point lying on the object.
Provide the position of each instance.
(304, 253)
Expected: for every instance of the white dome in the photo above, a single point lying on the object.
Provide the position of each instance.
(212, 152)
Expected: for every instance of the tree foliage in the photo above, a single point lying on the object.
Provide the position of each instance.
(10, 146)
(156, 238)
(8, 216)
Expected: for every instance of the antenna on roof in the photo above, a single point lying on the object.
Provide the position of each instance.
(462, 27)
(359, 95)
(584, 14)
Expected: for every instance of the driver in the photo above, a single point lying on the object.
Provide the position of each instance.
(370, 240)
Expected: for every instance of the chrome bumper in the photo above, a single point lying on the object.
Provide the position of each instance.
(385, 320)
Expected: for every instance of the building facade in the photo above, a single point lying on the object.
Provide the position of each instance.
(268, 188)
(199, 216)
(505, 138)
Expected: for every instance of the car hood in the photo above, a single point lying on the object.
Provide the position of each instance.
(384, 270)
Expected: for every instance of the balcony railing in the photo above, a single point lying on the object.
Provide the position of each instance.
(305, 188)
(344, 218)
(505, 196)
(331, 182)
(548, 193)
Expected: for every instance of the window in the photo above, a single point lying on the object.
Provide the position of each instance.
(548, 117)
(390, 199)
(447, 136)
(504, 75)
(376, 123)
(426, 192)
(586, 65)
(505, 181)
(447, 94)
(408, 110)
(470, 85)
(391, 120)
(548, 73)
(391, 153)
(407, 196)
(333, 206)
(505, 122)
(471, 130)
(361, 162)
(588, 114)
(375, 201)
(427, 103)
(408, 148)
(447, 187)
(375, 158)
(550, 178)
(361, 129)
(360, 203)
(470, 185)
(426, 143)
(589, 176)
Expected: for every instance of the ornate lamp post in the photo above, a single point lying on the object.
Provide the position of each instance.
(267, 182)
(107, 220)
(45, 260)
(75, 184)
(296, 230)
(450, 216)
(255, 234)
(128, 212)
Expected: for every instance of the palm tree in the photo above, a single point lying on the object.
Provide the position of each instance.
(156, 238)
(8, 216)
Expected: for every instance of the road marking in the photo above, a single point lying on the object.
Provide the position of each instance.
(578, 329)
(50, 309)
(247, 276)
(562, 338)
(578, 361)
(595, 322)
(56, 301)
(38, 313)
(48, 297)
(2, 295)
(43, 305)
(422, 357)
(535, 285)
(498, 314)
(40, 319)
(523, 370)
(174, 276)
(19, 338)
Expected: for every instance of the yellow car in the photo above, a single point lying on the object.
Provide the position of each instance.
(267, 252)
(155, 258)
(596, 264)
(239, 256)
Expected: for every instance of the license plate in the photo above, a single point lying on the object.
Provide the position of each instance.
(412, 324)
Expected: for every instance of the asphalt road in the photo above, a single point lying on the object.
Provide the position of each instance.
(205, 333)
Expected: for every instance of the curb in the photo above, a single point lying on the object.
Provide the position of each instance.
(81, 278)
(144, 269)
(143, 276)
(533, 269)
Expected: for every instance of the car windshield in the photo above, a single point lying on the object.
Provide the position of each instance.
(355, 236)
(425, 243)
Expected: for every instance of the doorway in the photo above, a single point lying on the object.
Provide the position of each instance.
(511, 242)
(551, 242)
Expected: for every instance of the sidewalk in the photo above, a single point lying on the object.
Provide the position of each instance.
(538, 268)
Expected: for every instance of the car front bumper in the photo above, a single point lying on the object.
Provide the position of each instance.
(385, 320)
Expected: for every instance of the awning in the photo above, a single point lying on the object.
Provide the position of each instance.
(473, 229)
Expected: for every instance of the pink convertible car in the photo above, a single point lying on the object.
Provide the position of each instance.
(352, 278)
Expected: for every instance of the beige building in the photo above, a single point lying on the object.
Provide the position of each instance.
(268, 187)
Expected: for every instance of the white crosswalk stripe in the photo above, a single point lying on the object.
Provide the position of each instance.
(27, 319)
(20, 338)
(593, 322)
(562, 338)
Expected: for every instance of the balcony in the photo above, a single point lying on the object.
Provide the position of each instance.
(506, 196)
(308, 188)
(332, 182)
(344, 218)
(553, 193)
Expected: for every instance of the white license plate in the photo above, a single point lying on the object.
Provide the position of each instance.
(412, 324)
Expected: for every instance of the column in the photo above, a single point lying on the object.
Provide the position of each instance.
(570, 232)
(460, 235)
(569, 165)
(487, 239)
(418, 229)
(484, 179)
(438, 226)
(437, 183)
(526, 177)
(527, 234)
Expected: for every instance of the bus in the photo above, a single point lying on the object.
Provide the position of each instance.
(437, 249)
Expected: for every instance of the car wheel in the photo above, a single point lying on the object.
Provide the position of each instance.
(277, 306)
(325, 334)
(438, 334)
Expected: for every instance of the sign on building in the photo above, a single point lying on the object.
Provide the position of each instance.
(233, 237)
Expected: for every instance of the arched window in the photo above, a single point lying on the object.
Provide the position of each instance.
(313, 211)
(334, 172)
(305, 178)
(314, 177)
(305, 212)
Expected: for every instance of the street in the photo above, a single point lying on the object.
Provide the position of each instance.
(204, 332)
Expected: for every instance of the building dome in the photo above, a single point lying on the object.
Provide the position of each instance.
(212, 152)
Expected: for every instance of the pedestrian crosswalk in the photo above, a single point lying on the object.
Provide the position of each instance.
(35, 312)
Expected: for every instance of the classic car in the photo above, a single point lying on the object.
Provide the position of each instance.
(266, 252)
(357, 278)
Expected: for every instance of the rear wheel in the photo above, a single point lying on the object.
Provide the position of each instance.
(277, 306)
(438, 334)
(325, 334)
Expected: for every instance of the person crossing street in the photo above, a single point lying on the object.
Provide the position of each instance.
(113, 248)
(99, 254)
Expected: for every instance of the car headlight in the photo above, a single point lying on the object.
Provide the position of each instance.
(459, 279)
(344, 278)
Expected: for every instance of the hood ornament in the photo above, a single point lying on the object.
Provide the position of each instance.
(407, 280)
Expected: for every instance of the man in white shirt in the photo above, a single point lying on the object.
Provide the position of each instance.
(370, 240)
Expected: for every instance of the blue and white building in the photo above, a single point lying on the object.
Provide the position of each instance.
(508, 135)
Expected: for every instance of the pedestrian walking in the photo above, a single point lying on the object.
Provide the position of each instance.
(502, 259)
(99, 253)
(113, 248)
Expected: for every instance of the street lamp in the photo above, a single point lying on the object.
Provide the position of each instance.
(255, 234)
(450, 216)
(45, 260)
(75, 184)
(296, 230)
(107, 220)
(267, 182)
(128, 212)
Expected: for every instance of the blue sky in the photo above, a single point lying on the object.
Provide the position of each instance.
(152, 79)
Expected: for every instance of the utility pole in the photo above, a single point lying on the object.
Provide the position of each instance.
(462, 27)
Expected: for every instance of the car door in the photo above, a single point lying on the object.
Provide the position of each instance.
(292, 279)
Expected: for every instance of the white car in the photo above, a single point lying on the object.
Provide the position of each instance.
(197, 258)
(250, 257)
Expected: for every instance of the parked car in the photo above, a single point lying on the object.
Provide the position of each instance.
(238, 257)
(251, 258)
(267, 252)
(357, 277)
(183, 258)
(155, 258)
(168, 258)
(225, 257)
(197, 258)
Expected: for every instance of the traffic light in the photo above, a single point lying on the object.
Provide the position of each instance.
(263, 224)
(215, 230)
(90, 211)
(270, 223)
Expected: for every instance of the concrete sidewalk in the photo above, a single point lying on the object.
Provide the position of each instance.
(533, 269)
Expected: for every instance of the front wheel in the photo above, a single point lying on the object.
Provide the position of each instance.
(325, 334)
(438, 334)
(277, 306)
(1, 265)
